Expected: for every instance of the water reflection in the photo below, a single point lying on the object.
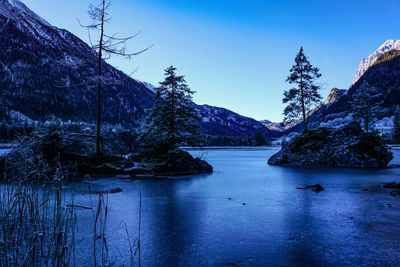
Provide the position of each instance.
(170, 217)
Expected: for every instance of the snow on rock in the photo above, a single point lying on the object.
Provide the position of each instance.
(384, 125)
(18, 116)
(369, 61)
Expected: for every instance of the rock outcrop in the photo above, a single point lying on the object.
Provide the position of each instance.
(57, 155)
(180, 162)
(348, 146)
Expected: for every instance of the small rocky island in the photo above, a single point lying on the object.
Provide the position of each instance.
(62, 155)
(348, 146)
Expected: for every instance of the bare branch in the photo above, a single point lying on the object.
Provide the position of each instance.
(91, 26)
(7, 70)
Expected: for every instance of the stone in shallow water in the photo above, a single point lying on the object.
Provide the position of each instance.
(314, 188)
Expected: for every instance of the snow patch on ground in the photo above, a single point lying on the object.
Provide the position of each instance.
(338, 122)
(18, 116)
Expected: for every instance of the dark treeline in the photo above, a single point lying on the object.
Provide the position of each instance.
(257, 140)
(124, 140)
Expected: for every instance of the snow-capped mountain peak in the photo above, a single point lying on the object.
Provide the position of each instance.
(389, 45)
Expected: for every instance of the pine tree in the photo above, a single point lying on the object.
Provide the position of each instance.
(304, 95)
(366, 105)
(396, 125)
(172, 120)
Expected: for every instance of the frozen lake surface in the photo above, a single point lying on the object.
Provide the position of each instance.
(248, 213)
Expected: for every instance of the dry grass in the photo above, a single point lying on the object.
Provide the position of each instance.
(38, 227)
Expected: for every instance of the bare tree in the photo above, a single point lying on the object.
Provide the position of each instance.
(105, 46)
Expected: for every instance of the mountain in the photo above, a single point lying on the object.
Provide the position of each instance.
(367, 62)
(49, 72)
(265, 122)
(274, 126)
(220, 121)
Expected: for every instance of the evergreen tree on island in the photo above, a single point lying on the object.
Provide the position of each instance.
(172, 120)
(366, 105)
(304, 95)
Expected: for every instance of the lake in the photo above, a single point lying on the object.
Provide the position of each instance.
(248, 213)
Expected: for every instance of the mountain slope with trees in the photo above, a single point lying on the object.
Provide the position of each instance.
(46, 72)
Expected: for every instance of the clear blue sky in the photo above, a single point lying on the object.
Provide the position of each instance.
(236, 53)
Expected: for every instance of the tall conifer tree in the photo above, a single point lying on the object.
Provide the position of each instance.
(172, 120)
(366, 105)
(304, 95)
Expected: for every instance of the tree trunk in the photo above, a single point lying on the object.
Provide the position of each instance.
(303, 108)
(99, 82)
(304, 111)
